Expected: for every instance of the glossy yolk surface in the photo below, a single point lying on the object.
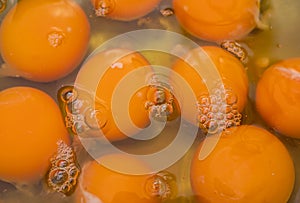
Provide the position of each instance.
(30, 127)
(217, 20)
(229, 70)
(124, 112)
(124, 10)
(44, 40)
(248, 164)
(101, 184)
(278, 97)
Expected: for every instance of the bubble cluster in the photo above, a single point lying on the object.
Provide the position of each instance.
(55, 38)
(63, 174)
(218, 111)
(162, 185)
(236, 49)
(167, 12)
(160, 102)
(104, 7)
(78, 112)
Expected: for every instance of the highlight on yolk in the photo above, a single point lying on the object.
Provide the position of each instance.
(31, 126)
(217, 20)
(124, 10)
(213, 106)
(43, 40)
(248, 164)
(278, 97)
(125, 112)
(100, 184)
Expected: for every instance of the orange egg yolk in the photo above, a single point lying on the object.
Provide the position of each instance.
(30, 127)
(99, 183)
(44, 40)
(124, 10)
(226, 70)
(123, 98)
(217, 20)
(248, 164)
(278, 97)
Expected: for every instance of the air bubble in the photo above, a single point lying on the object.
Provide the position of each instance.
(202, 119)
(219, 116)
(3, 5)
(228, 109)
(56, 38)
(79, 127)
(161, 185)
(104, 7)
(63, 169)
(62, 163)
(67, 94)
(77, 108)
(230, 116)
(160, 102)
(214, 109)
(235, 49)
(159, 96)
(95, 118)
(230, 98)
(73, 172)
(230, 124)
(218, 111)
(205, 110)
(210, 115)
(69, 121)
(58, 176)
(167, 12)
(235, 112)
(65, 188)
(204, 101)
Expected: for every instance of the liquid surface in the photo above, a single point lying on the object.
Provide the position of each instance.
(264, 48)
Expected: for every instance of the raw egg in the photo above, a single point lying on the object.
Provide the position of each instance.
(278, 97)
(31, 128)
(217, 20)
(248, 164)
(220, 70)
(123, 97)
(98, 183)
(124, 10)
(44, 40)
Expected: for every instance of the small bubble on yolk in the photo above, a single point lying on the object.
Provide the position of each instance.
(216, 109)
(55, 38)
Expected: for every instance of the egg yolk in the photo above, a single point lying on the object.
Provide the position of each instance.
(278, 97)
(126, 112)
(44, 40)
(101, 184)
(31, 126)
(217, 20)
(248, 164)
(124, 10)
(231, 74)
